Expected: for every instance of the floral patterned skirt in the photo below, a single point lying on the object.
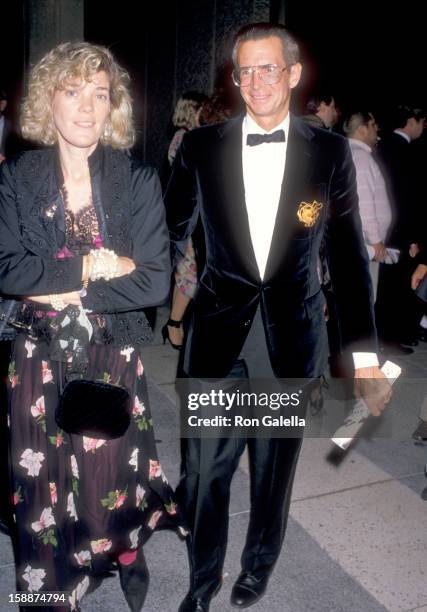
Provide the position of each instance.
(78, 501)
(186, 272)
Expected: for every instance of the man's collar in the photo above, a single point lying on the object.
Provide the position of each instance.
(359, 143)
(403, 134)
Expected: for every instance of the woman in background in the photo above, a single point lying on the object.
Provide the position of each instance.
(185, 118)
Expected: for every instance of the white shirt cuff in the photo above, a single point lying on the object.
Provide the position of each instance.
(365, 360)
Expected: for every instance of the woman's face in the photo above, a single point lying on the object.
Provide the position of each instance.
(81, 110)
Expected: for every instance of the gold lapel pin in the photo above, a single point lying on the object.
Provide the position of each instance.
(308, 212)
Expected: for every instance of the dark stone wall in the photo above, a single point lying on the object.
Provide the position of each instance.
(12, 54)
(50, 22)
(193, 56)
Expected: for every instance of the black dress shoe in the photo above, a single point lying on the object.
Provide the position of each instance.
(198, 604)
(190, 604)
(247, 590)
(4, 528)
(420, 434)
(134, 580)
(422, 334)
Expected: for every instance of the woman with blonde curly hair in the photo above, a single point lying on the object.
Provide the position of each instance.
(83, 249)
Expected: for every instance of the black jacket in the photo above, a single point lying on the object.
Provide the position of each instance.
(398, 164)
(207, 181)
(128, 202)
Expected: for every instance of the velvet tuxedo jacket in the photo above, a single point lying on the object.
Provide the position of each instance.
(207, 185)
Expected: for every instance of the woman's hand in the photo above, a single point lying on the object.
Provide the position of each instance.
(125, 266)
(72, 297)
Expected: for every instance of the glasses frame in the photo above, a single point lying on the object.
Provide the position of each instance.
(253, 69)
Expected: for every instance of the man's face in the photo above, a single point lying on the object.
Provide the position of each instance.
(371, 132)
(3, 104)
(416, 127)
(267, 104)
(328, 113)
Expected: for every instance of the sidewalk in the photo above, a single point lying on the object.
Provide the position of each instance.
(357, 534)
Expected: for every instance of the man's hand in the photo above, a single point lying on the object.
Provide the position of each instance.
(372, 386)
(380, 251)
(414, 249)
(418, 275)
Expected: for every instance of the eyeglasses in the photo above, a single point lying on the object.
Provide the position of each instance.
(268, 73)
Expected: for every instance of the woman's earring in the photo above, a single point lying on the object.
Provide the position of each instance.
(108, 130)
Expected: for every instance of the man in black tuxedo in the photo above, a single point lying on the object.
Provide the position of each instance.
(267, 188)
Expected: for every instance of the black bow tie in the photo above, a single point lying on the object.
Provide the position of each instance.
(255, 139)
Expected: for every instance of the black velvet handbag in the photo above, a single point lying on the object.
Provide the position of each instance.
(94, 409)
(91, 408)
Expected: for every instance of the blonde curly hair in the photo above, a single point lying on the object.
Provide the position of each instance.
(186, 114)
(67, 63)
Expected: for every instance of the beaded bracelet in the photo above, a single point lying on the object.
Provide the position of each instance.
(57, 303)
(105, 264)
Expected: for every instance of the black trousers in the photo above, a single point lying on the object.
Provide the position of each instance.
(397, 309)
(207, 469)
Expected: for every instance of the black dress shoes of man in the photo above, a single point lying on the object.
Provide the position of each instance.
(192, 604)
(247, 590)
(4, 528)
(198, 604)
(420, 434)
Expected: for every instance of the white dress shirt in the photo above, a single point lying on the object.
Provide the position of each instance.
(263, 171)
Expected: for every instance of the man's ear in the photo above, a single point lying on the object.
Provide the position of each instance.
(295, 75)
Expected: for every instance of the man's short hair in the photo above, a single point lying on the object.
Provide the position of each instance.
(354, 120)
(3, 94)
(257, 31)
(403, 113)
(315, 101)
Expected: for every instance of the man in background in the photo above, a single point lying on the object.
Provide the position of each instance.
(361, 130)
(397, 311)
(321, 111)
